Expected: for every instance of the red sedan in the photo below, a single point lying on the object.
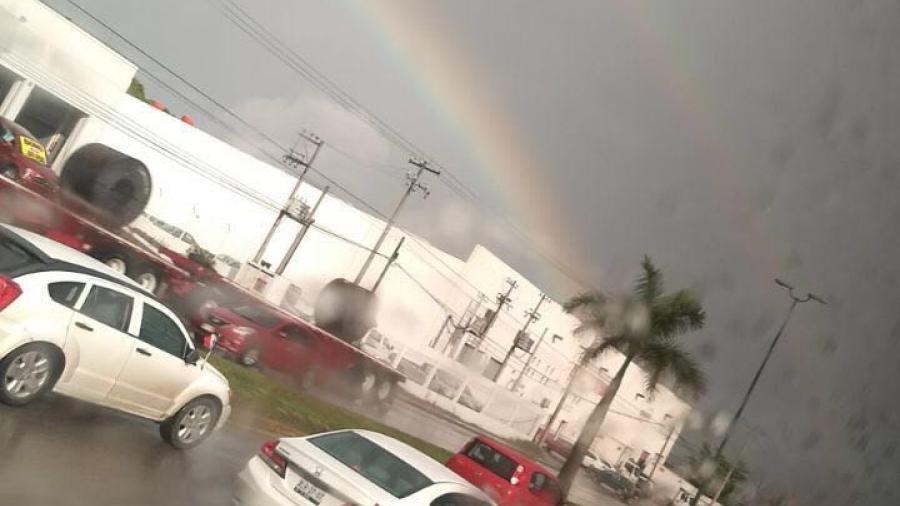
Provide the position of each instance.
(257, 336)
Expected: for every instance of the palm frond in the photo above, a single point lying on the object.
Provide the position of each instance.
(584, 300)
(676, 313)
(660, 358)
(601, 346)
(649, 284)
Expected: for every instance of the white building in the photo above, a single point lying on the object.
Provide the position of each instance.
(69, 89)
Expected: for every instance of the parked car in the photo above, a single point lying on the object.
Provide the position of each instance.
(24, 159)
(350, 467)
(505, 475)
(593, 463)
(70, 324)
(615, 482)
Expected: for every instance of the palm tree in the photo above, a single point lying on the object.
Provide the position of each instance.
(644, 327)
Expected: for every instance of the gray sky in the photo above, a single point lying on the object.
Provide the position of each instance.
(732, 141)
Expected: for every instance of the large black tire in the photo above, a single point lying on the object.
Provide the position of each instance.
(345, 310)
(117, 185)
(192, 424)
(29, 372)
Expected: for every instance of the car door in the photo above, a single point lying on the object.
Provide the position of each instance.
(492, 471)
(543, 490)
(296, 348)
(98, 339)
(156, 373)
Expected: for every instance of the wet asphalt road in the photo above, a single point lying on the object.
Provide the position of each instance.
(67, 453)
(62, 452)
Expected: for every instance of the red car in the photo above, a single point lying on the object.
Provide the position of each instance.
(256, 335)
(24, 160)
(505, 475)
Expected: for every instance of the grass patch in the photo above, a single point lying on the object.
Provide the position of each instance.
(261, 402)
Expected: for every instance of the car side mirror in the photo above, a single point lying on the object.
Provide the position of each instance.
(192, 357)
(213, 339)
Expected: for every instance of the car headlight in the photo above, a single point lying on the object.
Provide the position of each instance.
(243, 331)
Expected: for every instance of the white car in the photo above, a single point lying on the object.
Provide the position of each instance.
(351, 467)
(70, 324)
(595, 463)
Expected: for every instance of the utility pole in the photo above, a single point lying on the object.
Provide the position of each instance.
(531, 316)
(412, 185)
(390, 261)
(503, 299)
(795, 300)
(559, 405)
(662, 452)
(531, 355)
(293, 160)
(307, 223)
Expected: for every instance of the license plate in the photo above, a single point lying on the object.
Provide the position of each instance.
(309, 491)
(32, 149)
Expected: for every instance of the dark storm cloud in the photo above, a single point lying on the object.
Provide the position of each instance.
(732, 141)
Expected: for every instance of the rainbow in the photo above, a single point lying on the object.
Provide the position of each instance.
(448, 80)
(412, 34)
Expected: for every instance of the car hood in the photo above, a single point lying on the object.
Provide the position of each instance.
(212, 371)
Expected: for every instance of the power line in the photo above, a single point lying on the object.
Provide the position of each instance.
(278, 48)
(230, 128)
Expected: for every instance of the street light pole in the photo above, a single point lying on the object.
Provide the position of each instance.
(795, 300)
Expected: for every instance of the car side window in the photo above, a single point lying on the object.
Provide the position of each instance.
(538, 480)
(457, 499)
(109, 307)
(160, 331)
(295, 334)
(545, 487)
(65, 292)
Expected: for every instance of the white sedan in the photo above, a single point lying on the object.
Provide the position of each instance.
(69, 323)
(352, 467)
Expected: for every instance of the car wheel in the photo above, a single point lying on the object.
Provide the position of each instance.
(191, 424)
(115, 262)
(28, 373)
(308, 380)
(250, 357)
(147, 278)
(383, 396)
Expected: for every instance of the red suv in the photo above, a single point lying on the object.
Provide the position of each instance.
(508, 477)
(24, 160)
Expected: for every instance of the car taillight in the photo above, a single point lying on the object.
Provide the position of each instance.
(272, 459)
(9, 291)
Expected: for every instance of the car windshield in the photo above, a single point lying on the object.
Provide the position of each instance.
(373, 462)
(257, 315)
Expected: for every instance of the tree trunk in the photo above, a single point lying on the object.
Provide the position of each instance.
(591, 429)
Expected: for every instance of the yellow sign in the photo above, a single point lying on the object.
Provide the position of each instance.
(33, 149)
